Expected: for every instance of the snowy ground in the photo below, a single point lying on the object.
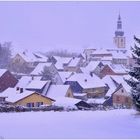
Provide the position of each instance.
(79, 124)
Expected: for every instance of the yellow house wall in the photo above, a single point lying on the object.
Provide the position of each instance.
(33, 99)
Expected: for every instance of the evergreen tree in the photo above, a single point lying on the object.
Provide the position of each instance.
(134, 81)
(47, 74)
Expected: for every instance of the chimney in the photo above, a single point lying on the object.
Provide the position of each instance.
(21, 90)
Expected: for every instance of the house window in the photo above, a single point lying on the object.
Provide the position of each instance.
(39, 104)
(30, 104)
(122, 91)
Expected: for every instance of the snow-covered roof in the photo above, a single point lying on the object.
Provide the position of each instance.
(56, 91)
(119, 55)
(118, 68)
(112, 87)
(86, 81)
(120, 80)
(24, 81)
(64, 60)
(2, 71)
(39, 55)
(64, 75)
(101, 51)
(39, 68)
(106, 62)
(124, 92)
(13, 95)
(61, 61)
(109, 58)
(66, 102)
(90, 67)
(28, 57)
(74, 62)
(36, 84)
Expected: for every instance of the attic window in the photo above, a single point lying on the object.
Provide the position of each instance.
(122, 91)
(85, 80)
(17, 88)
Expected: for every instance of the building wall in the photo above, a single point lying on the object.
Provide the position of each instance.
(122, 99)
(34, 98)
(75, 87)
(108, 71)
(7, 80)
(18, 59)
(120, 61)
(119, 42)
(95, 92)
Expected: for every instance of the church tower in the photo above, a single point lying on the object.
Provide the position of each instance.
(119, 39)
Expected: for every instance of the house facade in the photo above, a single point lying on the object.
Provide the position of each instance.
(34, 100)
(7, 80)
(121, 97)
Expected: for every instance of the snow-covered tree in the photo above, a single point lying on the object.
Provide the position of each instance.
(5, 54)
(47, 74)
(134, 81)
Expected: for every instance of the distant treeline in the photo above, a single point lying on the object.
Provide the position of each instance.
(62, 53)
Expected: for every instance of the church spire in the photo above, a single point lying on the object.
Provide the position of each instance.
(119, 31)
(119, 23)
(119, 38)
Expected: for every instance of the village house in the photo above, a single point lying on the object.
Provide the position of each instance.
(60, 62)
(6, 80)
(120, 58)
(59, 91)
(63, 76)
(112, 69)
(121, 97)
(118, 93)
(24, 81)
(25, 62)
(25, 98)
(84, 83)
(24, 58)
(39, 86)
(87, 52)
(92, 67)
(74, 65)
(100, 54)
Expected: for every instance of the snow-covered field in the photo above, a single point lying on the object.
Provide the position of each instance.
(78, 124)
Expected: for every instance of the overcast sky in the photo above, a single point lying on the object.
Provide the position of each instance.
(42, 26)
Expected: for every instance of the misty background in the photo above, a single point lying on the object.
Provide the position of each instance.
(44, 26)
